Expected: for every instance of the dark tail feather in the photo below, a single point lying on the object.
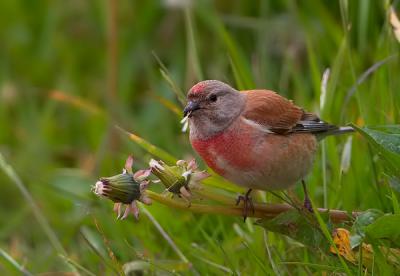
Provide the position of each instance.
(320, 128)
(335, 131)
(341, 130)
(311, 123)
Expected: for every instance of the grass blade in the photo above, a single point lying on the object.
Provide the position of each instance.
(9, 171)
(164, 234)
(241, 67)
(86, 235)
(77, 102)
(192, 56)
(168, 104)
(362, 78)
(150, 148)
(328, 236)
(167, 76)
(14, 263)
(77, 265)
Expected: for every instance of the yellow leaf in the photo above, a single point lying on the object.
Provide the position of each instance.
(341, 238)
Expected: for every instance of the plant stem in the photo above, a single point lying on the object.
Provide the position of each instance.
(260, 210)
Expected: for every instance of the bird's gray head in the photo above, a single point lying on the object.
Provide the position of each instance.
(212, 106)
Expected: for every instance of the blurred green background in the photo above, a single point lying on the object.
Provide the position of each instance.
(71, 70)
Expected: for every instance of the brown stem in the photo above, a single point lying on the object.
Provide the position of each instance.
(260, 210)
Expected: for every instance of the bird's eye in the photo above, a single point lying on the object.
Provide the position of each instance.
(213, 98)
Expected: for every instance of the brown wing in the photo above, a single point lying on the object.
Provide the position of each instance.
(280, 115)
(273, 111)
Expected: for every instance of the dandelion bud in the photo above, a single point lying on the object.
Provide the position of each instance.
(170, 176)
(119, 188)
(124, 189)
(177, 179)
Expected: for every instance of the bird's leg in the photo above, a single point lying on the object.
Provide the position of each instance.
(307, 202)
(247, 203)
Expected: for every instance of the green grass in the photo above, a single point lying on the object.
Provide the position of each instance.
(58, 148)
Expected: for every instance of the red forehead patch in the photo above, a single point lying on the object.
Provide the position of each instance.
(197, 88)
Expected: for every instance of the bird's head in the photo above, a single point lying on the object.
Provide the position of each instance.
(211, 107)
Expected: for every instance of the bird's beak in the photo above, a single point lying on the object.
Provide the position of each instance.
(190, 107)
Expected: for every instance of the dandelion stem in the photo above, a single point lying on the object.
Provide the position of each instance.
(260, 210)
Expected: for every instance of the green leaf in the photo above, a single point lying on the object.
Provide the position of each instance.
(366, 218)
(387, 136)
(386, 141)
(362, 221)
(297, 226)
(355, 240)
(385, 227)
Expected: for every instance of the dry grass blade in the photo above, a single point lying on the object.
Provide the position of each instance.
(168, 104)
(395, 22)
(76, 102)
(324, 85)
(159, 153)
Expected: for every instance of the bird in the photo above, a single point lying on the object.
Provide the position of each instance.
(256, 139)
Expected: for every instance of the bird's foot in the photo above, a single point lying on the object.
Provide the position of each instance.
(247, 203)
(307, 202)
(307, 205)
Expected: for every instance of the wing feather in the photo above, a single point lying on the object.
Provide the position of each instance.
(271, 110)
(280, 115)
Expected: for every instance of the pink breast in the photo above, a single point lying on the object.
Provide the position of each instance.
(231, 149)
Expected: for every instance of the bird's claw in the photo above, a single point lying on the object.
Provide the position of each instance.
(307, 205)
(247, 204)
(307, 202)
